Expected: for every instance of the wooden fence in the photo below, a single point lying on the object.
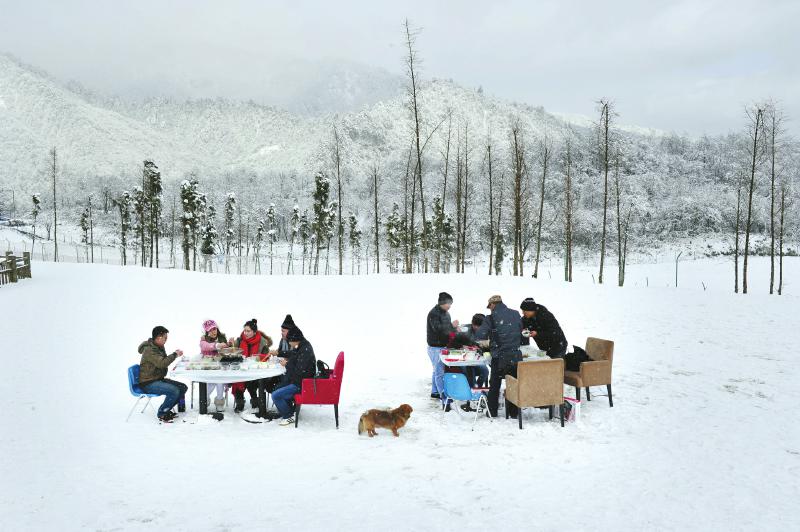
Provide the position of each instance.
(13, 268)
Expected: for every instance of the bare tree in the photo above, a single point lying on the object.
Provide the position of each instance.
(622, 225)
(606, 109)
(491, 203)
(519, 168)
(439, 266)
(465, 210)
(377, 218)
(412, 65)
(755, 114)
(568, 203)
(53, 170)
(337, 163)
(545, 152)
(773, 122)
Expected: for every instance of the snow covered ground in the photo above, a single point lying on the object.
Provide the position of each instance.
(703, 435)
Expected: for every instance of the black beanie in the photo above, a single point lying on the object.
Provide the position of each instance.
(288, 322)
(295, 334)
(444, 298)
(528, 304)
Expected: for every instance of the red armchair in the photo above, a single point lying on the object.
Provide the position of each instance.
(321, 391)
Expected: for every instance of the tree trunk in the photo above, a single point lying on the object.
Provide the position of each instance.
(604, 125)
(491, 208)
(736, 249)
(545, 160)
(757, 126)
(780, 241)
(54, 156)
(377, 224)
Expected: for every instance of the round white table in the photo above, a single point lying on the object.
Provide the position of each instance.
(219, 376)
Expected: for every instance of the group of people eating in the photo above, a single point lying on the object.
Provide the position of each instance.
(294, 353)
(502, 332)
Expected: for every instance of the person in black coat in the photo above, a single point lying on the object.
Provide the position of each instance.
(439, 329)
(540, 324)
(302, 364)
(502, 329)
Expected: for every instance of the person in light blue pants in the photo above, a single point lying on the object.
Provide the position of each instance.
(439, 330)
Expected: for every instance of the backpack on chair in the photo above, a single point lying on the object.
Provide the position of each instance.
(323, 370)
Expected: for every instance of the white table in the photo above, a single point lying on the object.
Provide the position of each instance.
(463, 363)
(220, 376)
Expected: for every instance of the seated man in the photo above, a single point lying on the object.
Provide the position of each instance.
(302, 364)
(153, 370)
(478, 376)
(540, 324)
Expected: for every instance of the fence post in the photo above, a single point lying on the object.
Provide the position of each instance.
(12, 260)
(26, 257)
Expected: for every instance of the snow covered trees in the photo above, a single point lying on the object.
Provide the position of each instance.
(123, 204)
(193, 203)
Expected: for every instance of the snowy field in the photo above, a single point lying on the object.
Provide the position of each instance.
(703, 435)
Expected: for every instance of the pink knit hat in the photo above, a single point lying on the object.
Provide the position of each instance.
(209, 324)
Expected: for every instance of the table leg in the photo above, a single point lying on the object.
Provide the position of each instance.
(262, 399)
(203, 398)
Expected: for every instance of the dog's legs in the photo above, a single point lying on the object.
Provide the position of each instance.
(394, 431)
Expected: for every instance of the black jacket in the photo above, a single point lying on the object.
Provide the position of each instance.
(502, 327)
(439, 327)
(549, 336)
(302, 364)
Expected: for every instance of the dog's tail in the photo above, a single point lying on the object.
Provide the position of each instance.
(361, 425)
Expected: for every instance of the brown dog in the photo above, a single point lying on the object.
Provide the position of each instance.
(388, 419)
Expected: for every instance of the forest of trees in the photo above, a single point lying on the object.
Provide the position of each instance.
(460, 194)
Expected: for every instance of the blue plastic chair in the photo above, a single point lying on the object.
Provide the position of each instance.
(133, 385)
(457, 388)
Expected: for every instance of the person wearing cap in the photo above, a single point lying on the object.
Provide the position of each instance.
(502, 330)
(302, 364)
(439, 331)
(210, 343)
(283, 349)
(153, 372)
(540, 324)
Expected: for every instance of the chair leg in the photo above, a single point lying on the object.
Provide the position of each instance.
(561, 411)
(336, 414)
(506, 408)
(191, 397)
(578, 393)
(134, 408)
(519, 416)
(550, 411)
(588, 397)
(610, 397)
(146, 405)
(296, 414)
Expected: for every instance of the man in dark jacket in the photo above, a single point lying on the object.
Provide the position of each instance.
(540, 324)
(438, 330)
(153, 371)
(302, 364)
(501, 328)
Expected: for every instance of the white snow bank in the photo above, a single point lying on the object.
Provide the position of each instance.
(703, 433)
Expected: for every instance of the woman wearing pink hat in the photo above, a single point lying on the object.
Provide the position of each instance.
(210, 343)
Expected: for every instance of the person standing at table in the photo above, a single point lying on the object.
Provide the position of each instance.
(502, 329)
(210, 343)
(540, 324)
(153, 371)
(301, 364)
(439, 330)
(252, 342)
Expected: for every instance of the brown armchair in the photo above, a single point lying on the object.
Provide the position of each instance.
(596, 372)
(538, 383)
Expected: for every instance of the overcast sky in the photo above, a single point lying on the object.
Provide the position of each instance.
(688, 66)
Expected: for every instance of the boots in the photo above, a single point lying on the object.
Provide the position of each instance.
(219, 403)
(238, 404)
